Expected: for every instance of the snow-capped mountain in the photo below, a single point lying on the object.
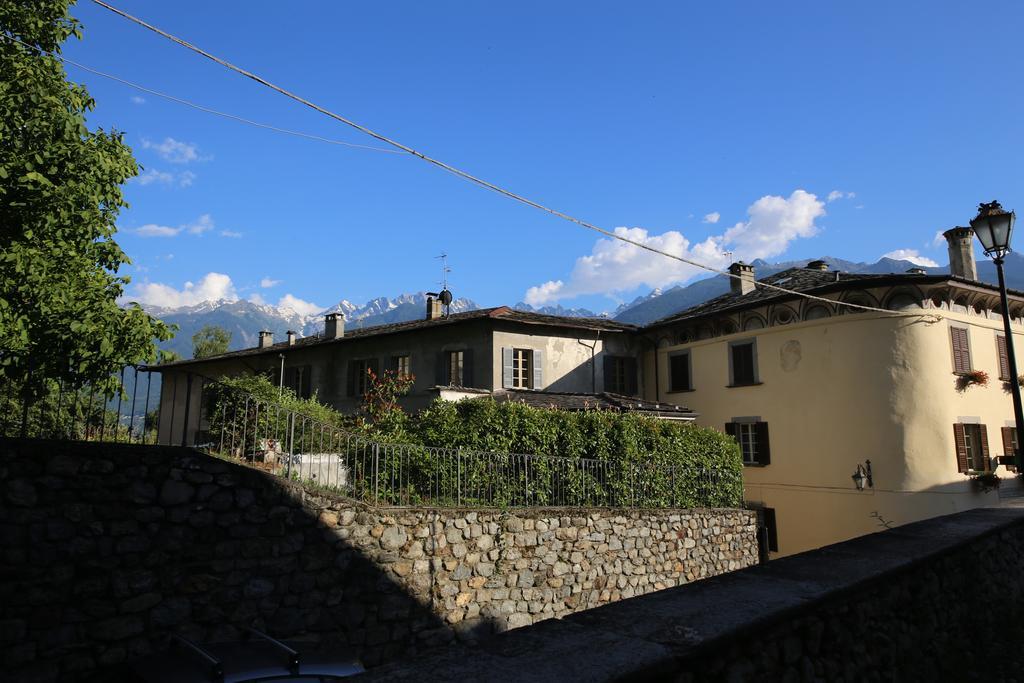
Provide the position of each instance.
(244, 319)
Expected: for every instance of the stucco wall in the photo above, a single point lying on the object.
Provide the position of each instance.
(846, 389)
(108, 548)
(567, 357)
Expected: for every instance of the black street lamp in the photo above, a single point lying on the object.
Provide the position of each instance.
(993, 226)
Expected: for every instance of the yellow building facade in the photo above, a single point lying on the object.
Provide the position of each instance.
(832, 388)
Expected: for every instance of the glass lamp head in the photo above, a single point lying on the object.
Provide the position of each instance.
(994, 226)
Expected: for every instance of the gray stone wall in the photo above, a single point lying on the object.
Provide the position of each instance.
(938, 600)
(109, 548)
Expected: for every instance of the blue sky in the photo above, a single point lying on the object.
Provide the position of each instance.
(705, 128)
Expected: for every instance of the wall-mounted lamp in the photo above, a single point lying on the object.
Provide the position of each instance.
(862, 475)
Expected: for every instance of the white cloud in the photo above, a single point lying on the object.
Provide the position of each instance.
(939, 240)
(211, 287)
(230, 233)
(712, 217)
(137, 100)
(257, 299)
(153, 175)
(268, 282)
(174, 151)
(197, 227)
(911, 255)
(298, 305)
(154, 230)
(614, 266)
(200, 225)
(839, 194)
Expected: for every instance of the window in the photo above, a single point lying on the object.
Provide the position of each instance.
(1009, 447)
(298, 380)
(522, 375)
(359, 375)
(971, 447)
(454, 365)
(522, 368)
(620, 375)
(961, 350)
(679, 372)
(752, 437)
(1004, 360)
(402, 365)
(742, 363)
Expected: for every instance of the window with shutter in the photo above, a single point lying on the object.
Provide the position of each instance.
(752, 438)
(742, 363)
(679, 372)
(453, 366)
(620, 375)
(961, 350)
(1004, 360)
(401, 366)
(972, 447)
(506, 367)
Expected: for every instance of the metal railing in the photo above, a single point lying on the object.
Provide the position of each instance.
(232, 424)
(296, 446)
(57, 410)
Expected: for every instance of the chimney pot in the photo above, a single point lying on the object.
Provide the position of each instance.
(334, 326)
(961, 252)
(435, 309)
(266, 339)
(291, 337)
(817, 265)
(745, 282)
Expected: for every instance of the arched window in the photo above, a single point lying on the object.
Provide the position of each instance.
(754, 322)
(783, 316)
(817, 312)
(902, 301)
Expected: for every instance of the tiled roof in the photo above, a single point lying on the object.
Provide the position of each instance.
(603, 401)
(806, 280)
(497, 313)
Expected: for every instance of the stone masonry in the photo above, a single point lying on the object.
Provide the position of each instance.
(110, 548)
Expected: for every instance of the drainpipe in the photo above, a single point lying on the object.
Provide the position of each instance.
(280, 384)
(593, 365)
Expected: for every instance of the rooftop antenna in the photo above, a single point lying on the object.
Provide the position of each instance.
(445, 295)
(728, 255)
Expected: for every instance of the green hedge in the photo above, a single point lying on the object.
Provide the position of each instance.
(497, 453)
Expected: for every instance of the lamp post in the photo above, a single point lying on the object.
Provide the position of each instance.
(993, 225)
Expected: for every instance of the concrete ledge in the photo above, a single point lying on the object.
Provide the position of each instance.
(811, 616)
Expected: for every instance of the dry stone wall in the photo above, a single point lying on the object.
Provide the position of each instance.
(110, 548)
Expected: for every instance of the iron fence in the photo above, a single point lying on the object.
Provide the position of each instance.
(232, 424)
(54, 409)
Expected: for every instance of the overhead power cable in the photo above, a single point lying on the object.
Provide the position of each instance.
(474, 179)
(200, 107)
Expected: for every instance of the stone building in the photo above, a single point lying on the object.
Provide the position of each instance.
(572, 363)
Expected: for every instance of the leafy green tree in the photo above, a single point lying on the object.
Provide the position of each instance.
(210, 341)
(60, 194)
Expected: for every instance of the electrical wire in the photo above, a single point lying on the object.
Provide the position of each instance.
(200, 107)
(484, 183)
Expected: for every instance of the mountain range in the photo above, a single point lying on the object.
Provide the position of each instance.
(244, 319)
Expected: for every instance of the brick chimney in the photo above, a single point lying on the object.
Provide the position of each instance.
(745, 282)
(291, 337)
(434, 308)
(961, 252)
(266, 339)
(334, 325)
